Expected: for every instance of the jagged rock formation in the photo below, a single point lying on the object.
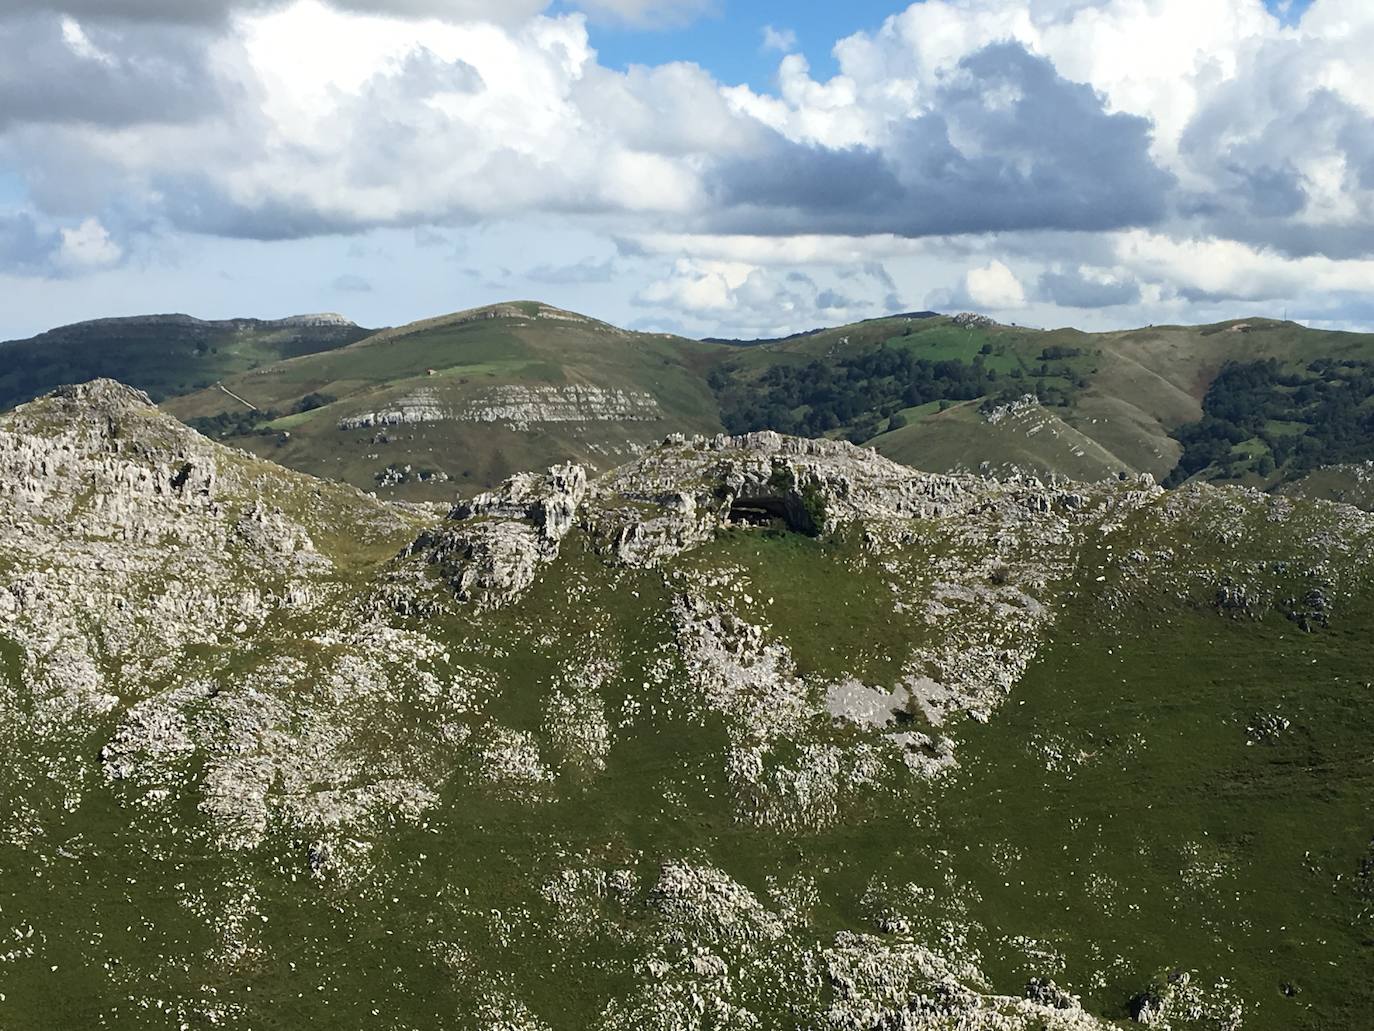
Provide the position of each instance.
(682, 496)
(493, 546)
(710, 741)
(131, 543)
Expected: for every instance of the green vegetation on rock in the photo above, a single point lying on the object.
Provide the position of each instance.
(750, 732)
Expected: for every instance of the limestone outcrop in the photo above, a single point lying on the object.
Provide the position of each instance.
(521, 407)
(491, 548)
(687, 735)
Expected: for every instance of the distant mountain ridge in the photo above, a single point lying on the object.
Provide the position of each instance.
(183, 321)
(164, 354)
(465, 400)
(461, 401)
(753, 341)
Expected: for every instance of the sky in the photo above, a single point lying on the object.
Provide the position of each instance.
(707, 167)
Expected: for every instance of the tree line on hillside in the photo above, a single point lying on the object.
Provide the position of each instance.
(860, 395)
(161, 367)
(1300, 420)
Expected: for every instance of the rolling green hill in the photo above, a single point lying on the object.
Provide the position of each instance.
(1066, 402)
(1347, 484)
(165, 355)
(455, 404)
(461, 402)
(1026, 436)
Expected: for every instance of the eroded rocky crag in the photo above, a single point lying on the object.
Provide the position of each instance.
(491, 548)
(312, 672)
(143, 572)
(518, 407)
(982, 599)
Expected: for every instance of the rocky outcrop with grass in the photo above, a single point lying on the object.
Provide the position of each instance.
(713, 740)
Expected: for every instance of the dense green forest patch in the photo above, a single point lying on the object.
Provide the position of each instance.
(859, 395)
(1278, 421)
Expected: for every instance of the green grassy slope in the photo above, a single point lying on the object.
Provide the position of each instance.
(1127, 817)
(1115, 399)
(455, 365)
(962, 439)
(1347, 484)
(1172, 837)
(1179, 786)
(165, 355)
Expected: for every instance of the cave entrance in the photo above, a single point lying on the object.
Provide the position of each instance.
(754, 515)
(769, 513)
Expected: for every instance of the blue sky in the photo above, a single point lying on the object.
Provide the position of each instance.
(1098, 163)
(12, 188)
(1291, 11)
(729, 41)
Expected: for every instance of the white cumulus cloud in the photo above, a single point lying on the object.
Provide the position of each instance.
(1178, 152)
(88, 246)
(994, 287)
(784, 41)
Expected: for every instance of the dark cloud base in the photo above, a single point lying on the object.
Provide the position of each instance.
(1051, 159)
(1072, 290)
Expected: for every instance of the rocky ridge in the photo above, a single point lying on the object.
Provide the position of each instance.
(312, 674)
(517, 407)
(1016, 540)
(190, 322)
(133, 546)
